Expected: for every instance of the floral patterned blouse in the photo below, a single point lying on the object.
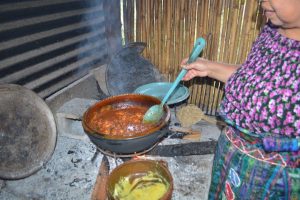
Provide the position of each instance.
(263, 95)
(258, 154)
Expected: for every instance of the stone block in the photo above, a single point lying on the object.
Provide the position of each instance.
(68, 117)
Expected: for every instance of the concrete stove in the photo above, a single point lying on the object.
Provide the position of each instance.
(73, 168)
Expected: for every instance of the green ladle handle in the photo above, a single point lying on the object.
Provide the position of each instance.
(198, 47)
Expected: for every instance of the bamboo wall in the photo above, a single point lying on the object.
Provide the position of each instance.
(170, 27)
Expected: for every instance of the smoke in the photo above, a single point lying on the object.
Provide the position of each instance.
(94, 48)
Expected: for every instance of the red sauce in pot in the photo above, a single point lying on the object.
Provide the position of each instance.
(124, 121)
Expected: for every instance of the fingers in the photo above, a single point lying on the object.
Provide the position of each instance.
(199, 64)
(186, 65)
(184, 61)
(189, 75)
(190, 66)
(197, 68)
(194, 73)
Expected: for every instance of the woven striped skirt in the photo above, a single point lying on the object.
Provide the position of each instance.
(240, 172)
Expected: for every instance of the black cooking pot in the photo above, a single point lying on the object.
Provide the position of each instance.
(122, 144)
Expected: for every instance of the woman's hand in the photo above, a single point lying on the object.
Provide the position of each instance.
(198, 68)
(203, 68)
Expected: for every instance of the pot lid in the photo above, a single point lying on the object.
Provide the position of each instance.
(160, 89)
(128, 70)
(27, 132)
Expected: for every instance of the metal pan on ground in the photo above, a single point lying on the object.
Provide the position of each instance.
(27, 132)
(159, 90)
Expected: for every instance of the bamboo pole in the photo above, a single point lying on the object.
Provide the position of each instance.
(156, 32)
(247, 33)
(175, 38)
(195, 89)
(233, 31)
(153, 39)
(148, 27)
(224, 30)
(168, 36)
(159, 32)
(131, 19)
(139, 22)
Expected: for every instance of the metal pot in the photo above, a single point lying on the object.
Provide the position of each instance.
(124, 144)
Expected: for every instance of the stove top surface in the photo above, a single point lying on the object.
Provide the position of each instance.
(71, 172)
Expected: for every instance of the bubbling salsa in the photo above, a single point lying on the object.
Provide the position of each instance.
(123, 121)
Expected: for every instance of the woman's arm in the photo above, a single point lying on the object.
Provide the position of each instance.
(202, 68)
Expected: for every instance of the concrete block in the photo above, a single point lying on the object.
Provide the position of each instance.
(68, 117)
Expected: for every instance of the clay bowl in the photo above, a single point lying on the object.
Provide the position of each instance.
(136, 168)
(121, 144)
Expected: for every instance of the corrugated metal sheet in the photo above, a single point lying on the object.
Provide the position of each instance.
(46, 45)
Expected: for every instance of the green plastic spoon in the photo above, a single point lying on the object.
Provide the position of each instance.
(155, 113)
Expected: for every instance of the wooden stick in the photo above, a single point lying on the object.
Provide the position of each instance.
(184, 130)
(100, 187)
(193, 136)
(191, 133)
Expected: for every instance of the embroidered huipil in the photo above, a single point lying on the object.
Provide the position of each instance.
(262, 107)
(264, 94)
